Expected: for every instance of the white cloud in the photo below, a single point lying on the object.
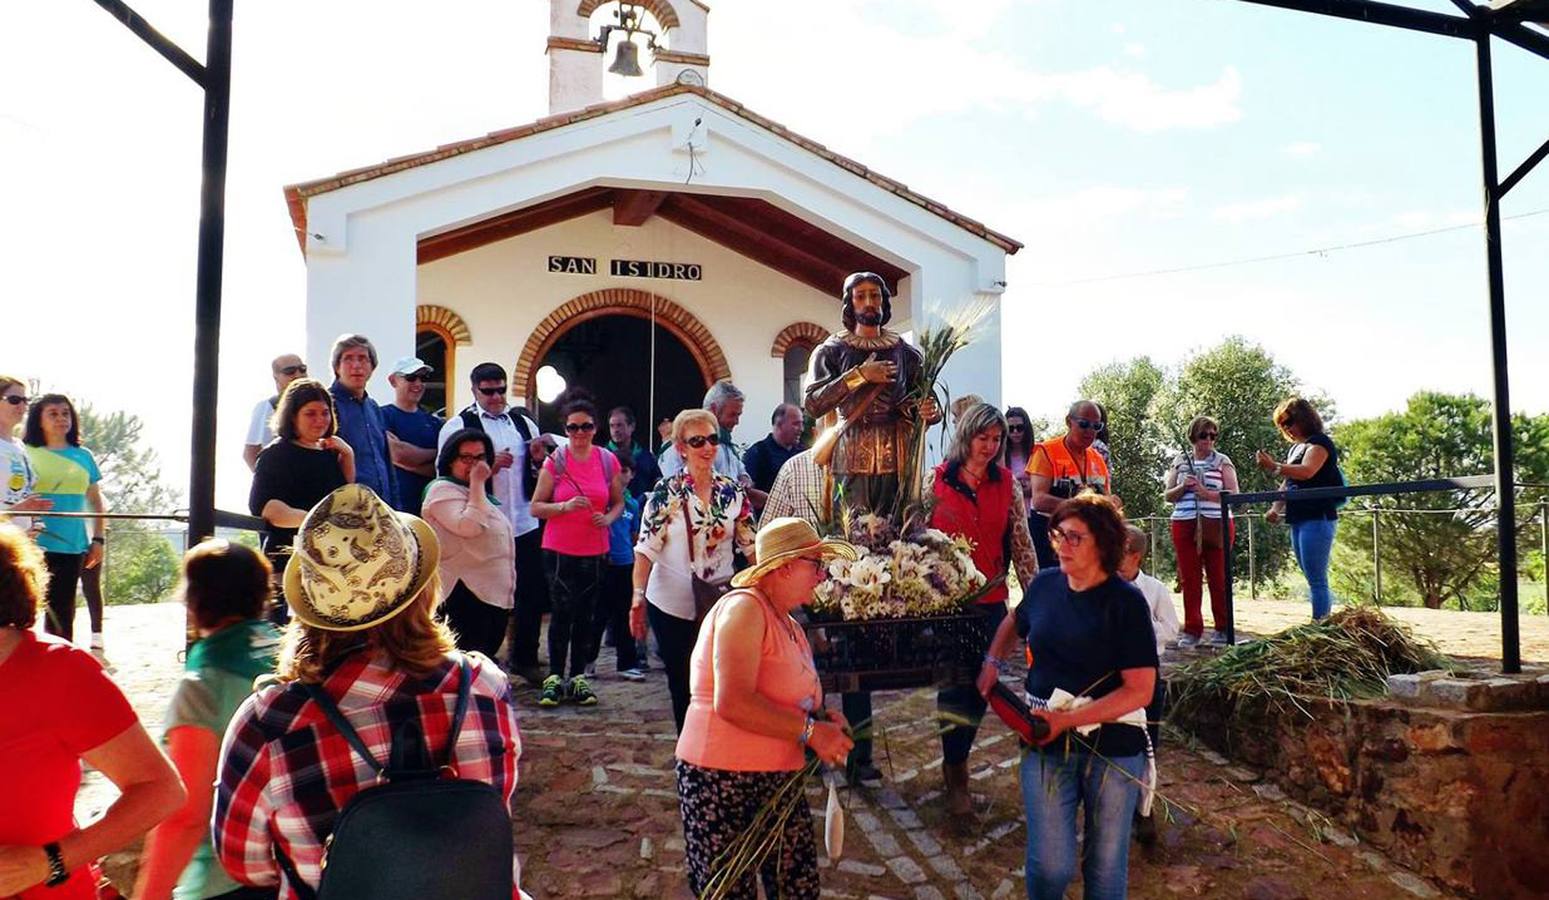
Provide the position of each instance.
(1133, 100)
(1303, 148)
(1253, 210)
(1135, 49)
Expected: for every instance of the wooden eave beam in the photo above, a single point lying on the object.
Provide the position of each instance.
(515, 223)
(747, 240)
(633, 208)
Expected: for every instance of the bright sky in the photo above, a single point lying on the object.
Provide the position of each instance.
(1113, 138)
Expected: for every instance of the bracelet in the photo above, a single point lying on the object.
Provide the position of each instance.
(806, 732)
(57, 873)
(996, 662)
(99, 540)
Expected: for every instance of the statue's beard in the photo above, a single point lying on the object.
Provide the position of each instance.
(868, 318)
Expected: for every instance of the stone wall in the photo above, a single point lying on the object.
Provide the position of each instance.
(1459, 794)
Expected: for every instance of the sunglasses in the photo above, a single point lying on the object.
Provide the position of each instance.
(16, 399)
(1058, 536)
(1087, 424)
(416, 377)
(699, 440)
(1016, 429)
(293, 370)
(573, 427)
(493, 391)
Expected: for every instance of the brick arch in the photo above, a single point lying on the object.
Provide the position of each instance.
(442, 319)
(683, 325)
(662, 10)
(798, 333)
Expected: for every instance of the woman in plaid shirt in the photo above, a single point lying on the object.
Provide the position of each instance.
(386, 661)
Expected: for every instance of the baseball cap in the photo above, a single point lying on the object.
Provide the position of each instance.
(408, 365)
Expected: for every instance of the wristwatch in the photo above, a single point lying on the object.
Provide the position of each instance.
(57, 873)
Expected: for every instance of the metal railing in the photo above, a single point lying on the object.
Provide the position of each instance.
(1511, 640)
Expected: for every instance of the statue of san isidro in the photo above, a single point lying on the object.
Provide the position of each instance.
(865, 373)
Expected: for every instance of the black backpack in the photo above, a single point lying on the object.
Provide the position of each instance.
(416, 833)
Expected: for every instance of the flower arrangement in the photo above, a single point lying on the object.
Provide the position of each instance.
(903, 572)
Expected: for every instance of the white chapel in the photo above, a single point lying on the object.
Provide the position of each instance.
(643, 248)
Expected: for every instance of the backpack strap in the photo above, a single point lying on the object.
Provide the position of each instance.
(470, 418)
(303, 890)
(464, 689)
(336, 718)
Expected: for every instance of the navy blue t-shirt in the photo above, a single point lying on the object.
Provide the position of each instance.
(1081, 640)
(421, 429)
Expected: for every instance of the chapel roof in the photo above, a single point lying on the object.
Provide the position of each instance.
(296, 195)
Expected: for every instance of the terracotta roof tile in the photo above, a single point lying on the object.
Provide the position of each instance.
(296, 195)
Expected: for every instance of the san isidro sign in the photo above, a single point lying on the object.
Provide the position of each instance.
(626, 268)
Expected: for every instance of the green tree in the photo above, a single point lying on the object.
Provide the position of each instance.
(1127, 391)
(141, 565)
(1237, 383)
(1444, 556)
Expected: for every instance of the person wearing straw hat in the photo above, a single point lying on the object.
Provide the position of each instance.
(363, 588)
(756, 707)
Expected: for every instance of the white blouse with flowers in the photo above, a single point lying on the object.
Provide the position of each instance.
(719, 526)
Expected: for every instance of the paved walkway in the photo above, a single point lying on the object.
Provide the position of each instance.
(596, 814)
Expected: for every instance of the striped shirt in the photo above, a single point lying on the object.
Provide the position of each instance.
(285, 772)
(1208, 471)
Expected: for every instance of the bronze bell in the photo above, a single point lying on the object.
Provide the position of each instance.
(627, 60)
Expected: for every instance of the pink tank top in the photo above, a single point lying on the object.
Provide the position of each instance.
(786, 678)
(572, 533)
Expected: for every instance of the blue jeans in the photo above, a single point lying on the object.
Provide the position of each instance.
(1313, 541)
(1108, 790)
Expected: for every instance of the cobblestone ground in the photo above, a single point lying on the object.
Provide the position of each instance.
(597, 816)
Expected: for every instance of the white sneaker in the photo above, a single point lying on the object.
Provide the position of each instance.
(1187, 641)
(1219, 639)
(632, 675)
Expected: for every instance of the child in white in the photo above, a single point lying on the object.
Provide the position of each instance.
(1164, 621)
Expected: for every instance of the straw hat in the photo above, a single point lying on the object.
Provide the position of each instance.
(356, 562)
(785, 539)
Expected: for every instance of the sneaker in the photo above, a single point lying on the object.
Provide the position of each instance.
(632, 675)
(1187, 641)
(581, 692)
(1219, 639)
(553, 691)
(590, 670)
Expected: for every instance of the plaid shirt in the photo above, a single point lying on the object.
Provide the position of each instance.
(285, 772)
(798, 490)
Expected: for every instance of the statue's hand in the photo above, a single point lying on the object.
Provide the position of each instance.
(930, 410)
(878, 371)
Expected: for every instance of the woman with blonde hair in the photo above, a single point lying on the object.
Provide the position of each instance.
(690, 524)
(364, 648)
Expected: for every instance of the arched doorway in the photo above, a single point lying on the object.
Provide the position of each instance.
(610, 356)
(603, 341)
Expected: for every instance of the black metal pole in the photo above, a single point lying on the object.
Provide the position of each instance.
(1505, 462)
(207, 305)
(1226, 534)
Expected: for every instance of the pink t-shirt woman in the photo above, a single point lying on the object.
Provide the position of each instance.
(573, 532)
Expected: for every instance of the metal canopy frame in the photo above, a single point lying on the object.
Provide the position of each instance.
(1478, 24)
(214, 77)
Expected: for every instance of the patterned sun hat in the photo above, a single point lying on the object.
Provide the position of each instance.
(356, 562)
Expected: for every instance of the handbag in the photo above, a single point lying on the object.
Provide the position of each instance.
(706, 590)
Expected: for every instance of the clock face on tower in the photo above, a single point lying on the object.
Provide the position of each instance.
(691, 77)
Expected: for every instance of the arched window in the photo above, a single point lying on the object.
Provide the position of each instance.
(793, 346)
(435, 348)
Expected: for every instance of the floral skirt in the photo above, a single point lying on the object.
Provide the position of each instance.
(719, 805)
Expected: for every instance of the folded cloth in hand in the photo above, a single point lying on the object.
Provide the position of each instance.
(1062, 700)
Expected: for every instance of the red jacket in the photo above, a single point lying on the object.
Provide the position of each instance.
(983, 515)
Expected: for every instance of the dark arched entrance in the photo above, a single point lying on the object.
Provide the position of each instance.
(610, 355)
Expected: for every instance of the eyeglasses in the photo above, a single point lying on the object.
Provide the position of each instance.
(470, 458)
(493, 391)
(416, 377)
(1058, 536)
(1206, 436)
(573, 427)
(293, 370)
(1086, 424)
(16, 399)
(699, 440)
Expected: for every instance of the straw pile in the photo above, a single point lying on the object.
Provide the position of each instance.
(1348, 656)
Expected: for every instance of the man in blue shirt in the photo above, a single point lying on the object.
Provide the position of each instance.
(360, 419)
(411, 433)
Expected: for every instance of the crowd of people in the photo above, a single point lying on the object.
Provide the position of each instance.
(404, 554)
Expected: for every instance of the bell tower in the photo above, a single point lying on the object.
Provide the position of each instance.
(578, 57)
